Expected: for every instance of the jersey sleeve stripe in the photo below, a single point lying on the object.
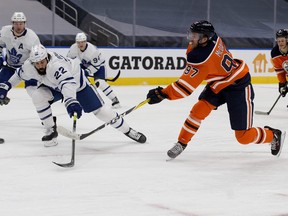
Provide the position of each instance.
(186, 84)
(183, 88)
(178, 90)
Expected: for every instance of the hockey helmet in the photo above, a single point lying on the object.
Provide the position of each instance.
(38, 53)
(18, 17)
(81, 37)
(203, 27)
(282, 33)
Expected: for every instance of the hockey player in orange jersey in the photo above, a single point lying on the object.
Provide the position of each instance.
(228, 81)
(279, 55)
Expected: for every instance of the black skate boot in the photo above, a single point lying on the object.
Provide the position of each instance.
(115, 103)
(176, 150)
(277, 142)
(137, 136)
(50, 139)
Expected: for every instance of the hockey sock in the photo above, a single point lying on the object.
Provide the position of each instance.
(198, 113)
(255, 135)
(106, 88)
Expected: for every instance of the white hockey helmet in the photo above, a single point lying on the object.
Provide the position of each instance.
(18, 17)
(81, 37)
(38, 53)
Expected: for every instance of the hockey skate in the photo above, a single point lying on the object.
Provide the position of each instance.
(277, 142)
(176, 150)
(137, 136)
(50, 139)
(115, 103)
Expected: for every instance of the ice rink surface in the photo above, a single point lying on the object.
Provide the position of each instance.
(114, 176)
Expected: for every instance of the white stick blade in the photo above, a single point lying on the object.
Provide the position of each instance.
(67, 133)
(261, 113)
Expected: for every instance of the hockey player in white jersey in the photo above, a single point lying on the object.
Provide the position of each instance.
(92, 59)
(62, 78)
(17, 41)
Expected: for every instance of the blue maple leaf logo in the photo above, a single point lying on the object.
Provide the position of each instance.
(86, 63)
(14, 56)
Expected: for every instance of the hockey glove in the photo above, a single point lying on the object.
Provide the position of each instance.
(283, 89)
(156, 95)
(4, 88)
(72, 105)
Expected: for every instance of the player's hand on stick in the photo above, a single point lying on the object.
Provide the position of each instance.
(72, 107)
(283, 89)
(156, 95)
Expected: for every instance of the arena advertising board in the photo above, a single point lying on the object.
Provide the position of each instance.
(162, 66)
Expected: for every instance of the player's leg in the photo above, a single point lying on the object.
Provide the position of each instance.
(190, 127)
(42, 98)
(240, 107)
(100, 83)
(208, 101)
(96, 105)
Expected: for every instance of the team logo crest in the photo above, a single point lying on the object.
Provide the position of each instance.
(14, 56)
(85, 63)
(285, 65)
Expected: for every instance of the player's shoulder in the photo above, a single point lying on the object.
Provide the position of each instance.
(200, 54)
(73, 50)
(31, 33)
(91, 47)
(5, 30)
(27, 67)
(73, 46)
(275, 51)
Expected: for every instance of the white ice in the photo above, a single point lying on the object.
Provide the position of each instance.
(114, 176)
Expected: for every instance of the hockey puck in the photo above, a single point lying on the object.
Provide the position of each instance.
(2, 141)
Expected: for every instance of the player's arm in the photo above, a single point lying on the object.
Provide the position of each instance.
(183, 87)
(68, 87)
(6, 86)
(281, 76)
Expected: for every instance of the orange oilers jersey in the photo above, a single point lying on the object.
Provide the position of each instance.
(279, 62)
(212, 63)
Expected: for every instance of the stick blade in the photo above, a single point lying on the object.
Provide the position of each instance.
(67, 133)
(66, 165)
(261, 113)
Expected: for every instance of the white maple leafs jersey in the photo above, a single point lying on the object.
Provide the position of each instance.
(91, 58)
(17, 48)
(62, 74)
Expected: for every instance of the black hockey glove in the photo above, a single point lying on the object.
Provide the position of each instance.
(283, 89)
(4, 101)
(4, 88)
(156, 95)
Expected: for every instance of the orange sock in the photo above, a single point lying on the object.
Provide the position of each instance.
(255, 135)
(198, 113)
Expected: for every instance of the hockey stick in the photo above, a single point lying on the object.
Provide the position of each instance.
(67, 133)
(267, 113)
(72, 162)
(115, 78)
